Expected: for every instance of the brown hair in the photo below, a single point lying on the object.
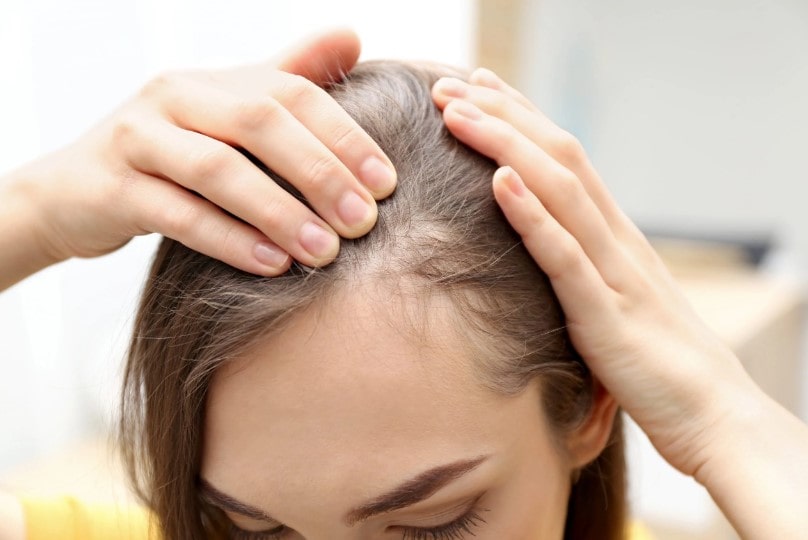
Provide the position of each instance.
(441, 231)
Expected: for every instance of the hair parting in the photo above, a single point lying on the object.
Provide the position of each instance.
(439, 236)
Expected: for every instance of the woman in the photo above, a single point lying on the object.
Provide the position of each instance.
(513, 463)
(433, 340)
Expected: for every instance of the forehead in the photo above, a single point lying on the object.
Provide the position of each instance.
(344, 391)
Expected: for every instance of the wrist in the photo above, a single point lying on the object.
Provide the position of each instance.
(742, 412)
(755, 468)
(23, 226)
(703, 411)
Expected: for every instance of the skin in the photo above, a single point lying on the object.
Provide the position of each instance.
(133, 173)
(627, 317)
(309, 425)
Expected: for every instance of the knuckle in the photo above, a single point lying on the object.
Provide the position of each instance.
(568, 254)
(296, 89)
(320, 171)
(536, 221)
(568, 187)
(567, 147)
(564, 257)
(179, 220)
(275, 214)
(254, 114)
(230, 245)
(498, 103)
(160, 84)
(125, 130)
(209, 163)
(345, 139)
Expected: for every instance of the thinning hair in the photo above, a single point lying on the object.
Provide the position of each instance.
(440, 233)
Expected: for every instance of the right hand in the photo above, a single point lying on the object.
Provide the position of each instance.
(140, 170)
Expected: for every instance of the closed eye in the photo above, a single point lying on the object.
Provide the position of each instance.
(454, 530)
(237, 533)
(418, 488)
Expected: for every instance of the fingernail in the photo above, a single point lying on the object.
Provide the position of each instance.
(377, 175)
(451, 87)
(486, 77)
(466, 109)
(317, 241)
(270, 255)
(353, 209)
(514, 183)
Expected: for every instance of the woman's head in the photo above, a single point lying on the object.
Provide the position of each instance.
(423, 376)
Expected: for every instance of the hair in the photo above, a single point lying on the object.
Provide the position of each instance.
(441, 231)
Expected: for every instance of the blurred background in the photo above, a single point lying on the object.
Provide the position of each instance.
(693, 111)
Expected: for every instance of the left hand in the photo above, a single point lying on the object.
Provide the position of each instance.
(625, 314)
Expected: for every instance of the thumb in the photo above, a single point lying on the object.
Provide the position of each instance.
(323, 58)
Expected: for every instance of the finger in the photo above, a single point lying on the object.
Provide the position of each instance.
(172, 211)
(566, 149)
(272, 134)
(228, 179)
(575, 280)
(306, 101)
(486, 77)
(329, 122)
(323, 58)
(558, 188)
(559, 144)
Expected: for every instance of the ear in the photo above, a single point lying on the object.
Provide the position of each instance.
(587, 441)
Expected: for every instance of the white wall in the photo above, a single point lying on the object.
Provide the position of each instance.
(695, 113)
(63, 65)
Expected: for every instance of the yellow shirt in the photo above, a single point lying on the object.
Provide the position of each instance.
(67, 518)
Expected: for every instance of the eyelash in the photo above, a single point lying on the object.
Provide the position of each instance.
(449, 531)
(236, 533)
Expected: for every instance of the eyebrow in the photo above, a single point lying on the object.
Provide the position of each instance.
(224, 501)
(415, 490)
(410, 492)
